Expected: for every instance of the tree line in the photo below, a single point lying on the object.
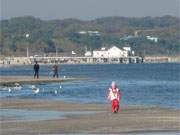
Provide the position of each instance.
(63, 35)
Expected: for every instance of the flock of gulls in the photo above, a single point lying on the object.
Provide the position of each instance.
(34, 88)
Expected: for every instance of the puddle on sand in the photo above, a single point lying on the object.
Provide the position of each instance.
(21, 115)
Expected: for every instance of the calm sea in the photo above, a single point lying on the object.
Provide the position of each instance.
(140, 84)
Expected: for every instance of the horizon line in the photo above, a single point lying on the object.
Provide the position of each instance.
(81, 19)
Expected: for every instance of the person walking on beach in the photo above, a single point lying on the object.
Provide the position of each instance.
(55, 70)
(114, 96)
(36, 70)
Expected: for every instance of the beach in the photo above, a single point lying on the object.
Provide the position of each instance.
(77, 103)
(90, 118)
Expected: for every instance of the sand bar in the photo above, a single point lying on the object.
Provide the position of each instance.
(11, 80)
(131, 119)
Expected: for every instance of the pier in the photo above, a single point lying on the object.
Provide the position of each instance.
(88, 60)
(70, 60)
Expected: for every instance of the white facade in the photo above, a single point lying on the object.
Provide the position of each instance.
(93, 32)
(155, 39)
(113, 52)
(82, 32)
(101, 53)
(127, 48)
(73, 53)
(90, 33)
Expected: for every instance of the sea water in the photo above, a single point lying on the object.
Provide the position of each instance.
(140, 84)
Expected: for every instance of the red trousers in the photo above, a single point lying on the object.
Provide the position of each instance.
(115, 106)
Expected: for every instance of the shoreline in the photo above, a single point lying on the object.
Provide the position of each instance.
(50, 64)
(131, 118)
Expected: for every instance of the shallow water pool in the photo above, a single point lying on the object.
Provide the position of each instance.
(21, 115)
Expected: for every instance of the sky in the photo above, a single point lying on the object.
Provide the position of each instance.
(87, 9)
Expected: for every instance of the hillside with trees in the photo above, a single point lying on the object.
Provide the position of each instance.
(64, 36)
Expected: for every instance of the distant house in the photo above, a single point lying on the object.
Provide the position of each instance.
(73, 53)
(90, 33)
(88, 54)
(127, 48)
(100, 53)
(113, 52)
(155, 39)
(94, 33)
(82, 32)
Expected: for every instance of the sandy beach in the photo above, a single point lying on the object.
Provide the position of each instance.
(131, 119)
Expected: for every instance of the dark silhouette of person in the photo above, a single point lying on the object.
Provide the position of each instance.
(55, 70)
(36, 70)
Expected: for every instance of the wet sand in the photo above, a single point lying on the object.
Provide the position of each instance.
(131, 119)
(11, 80)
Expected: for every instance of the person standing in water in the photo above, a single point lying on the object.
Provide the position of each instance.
(114, 96)
(55, 70)
(36, 70)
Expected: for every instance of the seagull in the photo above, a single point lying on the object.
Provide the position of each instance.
(33, 86)
(17, 86)
(35, 89)
(55, 92)
(9, 90)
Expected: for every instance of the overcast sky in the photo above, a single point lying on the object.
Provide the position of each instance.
(87, 9)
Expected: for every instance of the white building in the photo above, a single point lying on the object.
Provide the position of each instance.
(100, 53)
(82, 32)
(94, 33)
(90, 33)
(155, 39)
(73, 53)
(113, 52)
(127, 48)
(88, 54)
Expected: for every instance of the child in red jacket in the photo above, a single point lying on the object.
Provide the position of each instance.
(114, 96)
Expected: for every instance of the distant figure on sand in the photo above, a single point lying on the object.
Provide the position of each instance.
(36, 70)
(114, 95)
(55, 70)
